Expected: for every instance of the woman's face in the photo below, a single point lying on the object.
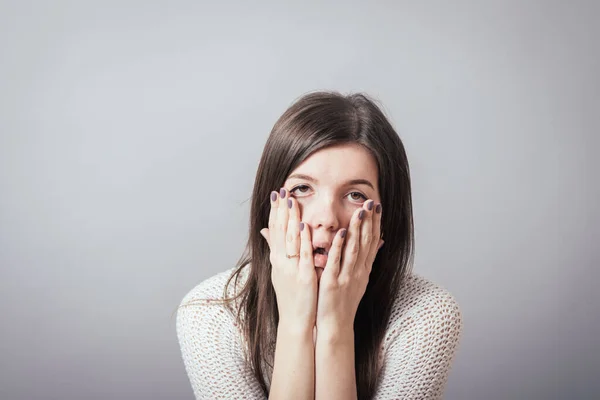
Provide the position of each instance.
(329, 186)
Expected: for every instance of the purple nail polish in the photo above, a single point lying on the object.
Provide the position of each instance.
(370, 205)
(361, 214)
(378, 208)
(289, 203)
(273, 196)
(301, 226)
(282, 193)
(343, 233)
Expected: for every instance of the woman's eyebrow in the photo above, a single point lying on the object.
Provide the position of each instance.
(350, 182)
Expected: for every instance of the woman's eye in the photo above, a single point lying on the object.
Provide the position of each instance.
(301, 189)
(357, 196)
(305, 189)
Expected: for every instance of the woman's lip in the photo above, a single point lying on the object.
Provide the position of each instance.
(325, 246)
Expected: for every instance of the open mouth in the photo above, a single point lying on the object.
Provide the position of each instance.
(320, 256)
(320, 250)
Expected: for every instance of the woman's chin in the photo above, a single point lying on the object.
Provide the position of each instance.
(319, 272)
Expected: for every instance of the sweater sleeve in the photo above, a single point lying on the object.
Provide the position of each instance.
(211, 346)
(420, 343)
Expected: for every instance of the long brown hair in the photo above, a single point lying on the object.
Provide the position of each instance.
(315, 121)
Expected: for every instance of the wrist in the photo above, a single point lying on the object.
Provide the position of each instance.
(293, 329)
(336, 334)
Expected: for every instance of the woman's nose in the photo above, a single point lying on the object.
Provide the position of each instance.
(323, 214)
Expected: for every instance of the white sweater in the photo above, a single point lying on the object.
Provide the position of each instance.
(417, 351)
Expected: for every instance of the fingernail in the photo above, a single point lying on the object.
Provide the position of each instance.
(343, 233)
(370, 205)
(282, 193)
(361, 214)
(378, 208)
(289, 203)
(301, 226)
(273, 195)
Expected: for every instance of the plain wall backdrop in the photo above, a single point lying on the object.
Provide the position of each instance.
(130, 133)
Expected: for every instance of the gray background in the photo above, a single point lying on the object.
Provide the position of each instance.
(130, 133)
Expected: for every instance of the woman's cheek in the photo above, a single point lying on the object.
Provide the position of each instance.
(300, 207)
(346, 222)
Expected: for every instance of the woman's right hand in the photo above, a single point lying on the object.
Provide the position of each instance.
(294, 279)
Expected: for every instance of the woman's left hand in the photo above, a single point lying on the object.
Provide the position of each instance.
(346, 274)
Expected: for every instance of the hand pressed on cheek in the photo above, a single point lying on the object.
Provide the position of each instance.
(350, 261)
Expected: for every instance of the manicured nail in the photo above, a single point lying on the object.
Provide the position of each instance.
(361, 214)
(343, 233)
(370, 205)
(378, 208)
(301, 226)
(273, 195)
(282, 193)
(289, 203)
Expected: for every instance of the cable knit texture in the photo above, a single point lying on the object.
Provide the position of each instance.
(417, 351)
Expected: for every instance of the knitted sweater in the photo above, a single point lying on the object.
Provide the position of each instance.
(418, 348)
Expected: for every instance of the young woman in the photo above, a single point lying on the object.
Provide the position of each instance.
(323, 303)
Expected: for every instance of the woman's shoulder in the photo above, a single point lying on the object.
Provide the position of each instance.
(204, 314)
(417, 289)
(213, 287)
(419, 298)
(421, 340)
(211, 341)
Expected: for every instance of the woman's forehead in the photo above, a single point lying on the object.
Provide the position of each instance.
(339, 164)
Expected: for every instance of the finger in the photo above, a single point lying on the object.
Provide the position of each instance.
(265, 233)
(350, 252)
(376, 245)
(274, 198)
(293, 228)
(306, 262)
(282, 222)
(334, 257)
(366, 233)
